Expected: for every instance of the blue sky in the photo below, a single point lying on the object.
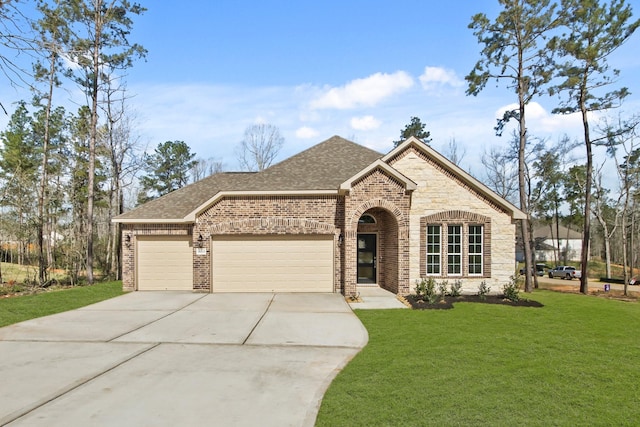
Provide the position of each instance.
(358, 69)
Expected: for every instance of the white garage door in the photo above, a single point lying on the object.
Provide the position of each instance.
(272, 264)
(165, 263)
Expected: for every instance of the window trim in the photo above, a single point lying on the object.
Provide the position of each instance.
(475, 253)
(465, 220)
(434, 254)
(452, 252)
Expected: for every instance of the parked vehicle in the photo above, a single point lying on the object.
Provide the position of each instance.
(539, 270)
(565, 272)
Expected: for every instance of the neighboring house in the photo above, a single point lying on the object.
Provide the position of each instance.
(331, 218)
(547, 244)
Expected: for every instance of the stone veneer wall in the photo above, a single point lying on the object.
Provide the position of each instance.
(264, 215)
(439, 193)
(378, 190)
(129, 249)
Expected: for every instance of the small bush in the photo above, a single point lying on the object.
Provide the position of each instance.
(512, 290)
(456, 288)
(442, 290)
(483, 290)
(426, 290)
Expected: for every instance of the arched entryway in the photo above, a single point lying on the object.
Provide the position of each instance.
(377, 249)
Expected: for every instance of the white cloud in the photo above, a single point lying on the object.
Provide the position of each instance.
(435, 78)
(365, 123)
(306, 132)
(368, 91)
(541, 121)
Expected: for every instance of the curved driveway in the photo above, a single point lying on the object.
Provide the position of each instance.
(167, 359)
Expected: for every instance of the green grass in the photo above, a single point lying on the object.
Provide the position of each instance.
(18, 309)
(575, 361)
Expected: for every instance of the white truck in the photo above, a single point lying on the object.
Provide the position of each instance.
(565, 272)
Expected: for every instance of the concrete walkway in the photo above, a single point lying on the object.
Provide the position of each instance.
(374, 297)
(166, 359)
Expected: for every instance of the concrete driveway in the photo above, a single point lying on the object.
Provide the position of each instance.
(169, 358)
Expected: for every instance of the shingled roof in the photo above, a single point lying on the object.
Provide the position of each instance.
(322, 167)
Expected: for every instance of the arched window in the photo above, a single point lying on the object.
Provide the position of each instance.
(366, 219)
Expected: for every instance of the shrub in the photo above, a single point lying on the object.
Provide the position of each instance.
(483, 290)
(442, 289)
(455, 288)
(426, 290)
(511, 290)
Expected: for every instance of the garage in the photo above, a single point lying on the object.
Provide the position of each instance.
(165, 263)
(272, 264)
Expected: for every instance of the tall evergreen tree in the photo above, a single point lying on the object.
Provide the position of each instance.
(414, 128)
(167, 169)
(514, 49)
(53, 35)
(595, 31)
(99, 45)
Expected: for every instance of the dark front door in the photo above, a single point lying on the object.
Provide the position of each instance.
(367, 258)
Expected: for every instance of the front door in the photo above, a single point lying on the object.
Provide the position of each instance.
(367, 244)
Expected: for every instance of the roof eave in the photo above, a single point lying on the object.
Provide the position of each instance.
(378, 164)
(516, 213)
(196, 212)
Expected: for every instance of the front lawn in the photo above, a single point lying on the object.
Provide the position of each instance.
(20, 308)
(575, 361)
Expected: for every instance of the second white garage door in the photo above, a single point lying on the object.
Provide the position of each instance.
(272, 264)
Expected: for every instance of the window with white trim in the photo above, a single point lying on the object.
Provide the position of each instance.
(433, 249)
(455, 244)
(454, 249)
(475, 250)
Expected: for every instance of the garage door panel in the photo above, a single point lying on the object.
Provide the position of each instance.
(275, 263)
(165, 263)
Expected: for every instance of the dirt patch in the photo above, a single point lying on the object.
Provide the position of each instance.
(448, 302)
(616, 294)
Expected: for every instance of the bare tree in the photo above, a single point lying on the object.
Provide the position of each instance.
(260, 147)
(501, 172)
(203, 168)
(454, 152)
(13, 37)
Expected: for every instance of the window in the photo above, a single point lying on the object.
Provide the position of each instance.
(454, 249)
(367, 219)
(433, 249)
(455, 244)
(475, 250)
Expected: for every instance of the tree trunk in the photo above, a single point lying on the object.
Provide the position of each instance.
(584, 259)
(93, 137)
(42, 262)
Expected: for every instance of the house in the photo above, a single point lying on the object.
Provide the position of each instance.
(328, 219)
(547, 243)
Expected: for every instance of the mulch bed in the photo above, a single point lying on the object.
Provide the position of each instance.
(448, 302)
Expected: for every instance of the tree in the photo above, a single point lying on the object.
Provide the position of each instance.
(260, 147)
(19, 169)
(414, 128)
(515, 50)
(121, 146)
(13, 37)
(54, 33)
(167, 169)
(594, 32)
(624, 139)
(500, 174)
(101, 48)
(549, 168)
(203, 168)
(454, 153)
